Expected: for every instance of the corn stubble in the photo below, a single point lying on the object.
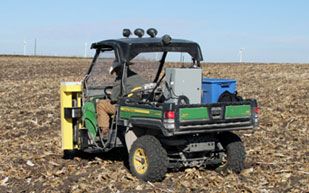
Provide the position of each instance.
(30, 142)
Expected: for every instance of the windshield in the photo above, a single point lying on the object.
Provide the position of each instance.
(99, 76)
(178, 59)
(146, 65)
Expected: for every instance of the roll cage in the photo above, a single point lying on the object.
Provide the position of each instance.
(128, 48)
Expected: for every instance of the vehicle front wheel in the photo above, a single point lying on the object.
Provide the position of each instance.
(235, 152)
(148, 159)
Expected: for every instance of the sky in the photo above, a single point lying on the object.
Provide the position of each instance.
(267, 31)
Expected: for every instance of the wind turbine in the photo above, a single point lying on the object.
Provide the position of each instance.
(86, 45)
(241, 52)
(25, 47)
(34, 49)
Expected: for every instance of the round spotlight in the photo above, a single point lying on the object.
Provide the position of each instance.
(166, 39)
(139, 32)
(126, 33)
(152, 32)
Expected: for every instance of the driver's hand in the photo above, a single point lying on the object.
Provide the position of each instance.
(108, 91)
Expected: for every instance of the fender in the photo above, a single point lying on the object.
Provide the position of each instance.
(89, 118)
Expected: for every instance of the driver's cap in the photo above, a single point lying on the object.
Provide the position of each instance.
(111, 70)
(114, 66)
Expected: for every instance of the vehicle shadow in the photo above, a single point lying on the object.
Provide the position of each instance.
(116, 154)
(121, 154)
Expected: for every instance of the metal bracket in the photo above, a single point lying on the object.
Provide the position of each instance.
(74, 112)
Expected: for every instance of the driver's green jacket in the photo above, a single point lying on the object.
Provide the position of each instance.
(133, 81)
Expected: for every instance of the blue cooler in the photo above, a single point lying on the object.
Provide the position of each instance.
(214, 87)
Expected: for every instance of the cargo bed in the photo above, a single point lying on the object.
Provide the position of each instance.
(199, 118)
(215, 117)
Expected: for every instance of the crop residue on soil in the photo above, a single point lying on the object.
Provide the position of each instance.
(30, 147)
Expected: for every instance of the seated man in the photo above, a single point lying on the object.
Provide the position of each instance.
(106, 107)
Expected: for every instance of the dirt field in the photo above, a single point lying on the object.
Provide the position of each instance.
(30, 143)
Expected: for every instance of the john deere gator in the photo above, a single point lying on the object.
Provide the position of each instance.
(178, 119)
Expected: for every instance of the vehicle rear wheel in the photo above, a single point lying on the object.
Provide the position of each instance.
(235, 152)
(148, 159)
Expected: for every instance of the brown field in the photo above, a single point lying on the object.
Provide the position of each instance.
(30, 143)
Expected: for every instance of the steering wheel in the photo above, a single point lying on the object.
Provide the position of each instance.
(108, 91)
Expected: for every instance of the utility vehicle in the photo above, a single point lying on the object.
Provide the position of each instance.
(178, 119)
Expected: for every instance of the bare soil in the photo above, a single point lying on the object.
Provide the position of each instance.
(30, 142)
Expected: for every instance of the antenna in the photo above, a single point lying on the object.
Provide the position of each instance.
(241, 52)
(85, 53)
(25, 47)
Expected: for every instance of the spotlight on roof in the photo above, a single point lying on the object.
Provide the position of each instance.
(126, 33)
(166, 39)
(139, 32)
(152, 32)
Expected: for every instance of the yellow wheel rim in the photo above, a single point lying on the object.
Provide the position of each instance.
(140, 161)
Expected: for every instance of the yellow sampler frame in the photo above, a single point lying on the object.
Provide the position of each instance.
(70, 97)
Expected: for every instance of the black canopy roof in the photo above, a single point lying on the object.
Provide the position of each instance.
(128, 48)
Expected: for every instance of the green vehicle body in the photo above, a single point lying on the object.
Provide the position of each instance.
(90, 117)
(185, 114)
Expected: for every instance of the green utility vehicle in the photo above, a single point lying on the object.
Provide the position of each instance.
(169, 122)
